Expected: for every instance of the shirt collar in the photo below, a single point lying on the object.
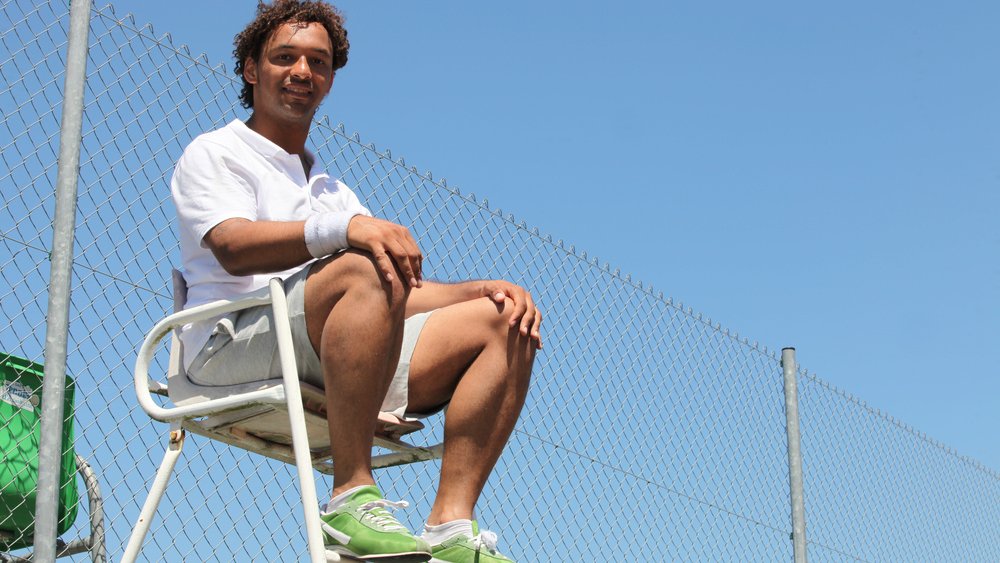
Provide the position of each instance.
(265, 146)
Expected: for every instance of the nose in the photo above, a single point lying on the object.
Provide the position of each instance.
(301, 70)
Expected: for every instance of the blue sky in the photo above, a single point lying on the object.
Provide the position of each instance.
(823, 177)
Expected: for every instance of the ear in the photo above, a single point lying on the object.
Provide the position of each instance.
(250, 70)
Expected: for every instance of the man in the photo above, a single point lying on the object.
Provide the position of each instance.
(253, 203)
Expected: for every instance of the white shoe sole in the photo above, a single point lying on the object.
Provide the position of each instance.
(411, 557)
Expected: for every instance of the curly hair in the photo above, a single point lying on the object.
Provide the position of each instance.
(250, 42)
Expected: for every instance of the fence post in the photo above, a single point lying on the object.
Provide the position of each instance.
(61, 273)
(790, 370)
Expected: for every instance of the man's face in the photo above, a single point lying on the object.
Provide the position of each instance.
(293, 74)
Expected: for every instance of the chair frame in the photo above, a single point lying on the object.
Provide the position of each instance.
(214, 417)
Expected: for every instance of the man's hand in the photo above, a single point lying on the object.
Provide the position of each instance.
(525, 312)
(390, 244)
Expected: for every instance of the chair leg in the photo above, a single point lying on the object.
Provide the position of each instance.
(307, 488)
(296, 417)
(155, 493)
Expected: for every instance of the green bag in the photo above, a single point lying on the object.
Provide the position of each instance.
(20, 432)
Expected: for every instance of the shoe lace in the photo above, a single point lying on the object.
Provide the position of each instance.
(486, 539)
(375, 510)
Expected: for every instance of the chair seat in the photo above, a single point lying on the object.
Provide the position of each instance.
(264, 427)
(182, 391)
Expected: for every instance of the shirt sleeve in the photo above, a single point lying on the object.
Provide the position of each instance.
(207, 190)
(340, 198)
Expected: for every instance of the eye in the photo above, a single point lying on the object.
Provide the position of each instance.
(320, 62)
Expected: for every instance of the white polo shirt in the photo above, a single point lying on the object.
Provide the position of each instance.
(235, 172)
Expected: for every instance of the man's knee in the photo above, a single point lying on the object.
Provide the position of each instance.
(496, 319)
(354, 271)
(491, 318)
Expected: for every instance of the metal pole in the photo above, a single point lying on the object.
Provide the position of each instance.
(61, 273)
(794, 455)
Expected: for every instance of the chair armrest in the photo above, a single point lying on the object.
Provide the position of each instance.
(143, 386)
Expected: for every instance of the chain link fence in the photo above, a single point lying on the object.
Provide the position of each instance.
(650, 432)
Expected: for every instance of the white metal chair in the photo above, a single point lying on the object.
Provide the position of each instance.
(279, 418)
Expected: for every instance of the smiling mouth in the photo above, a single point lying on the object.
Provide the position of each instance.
(297, 92)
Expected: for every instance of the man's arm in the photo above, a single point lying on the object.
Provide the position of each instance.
(245, 247)
(432, 296)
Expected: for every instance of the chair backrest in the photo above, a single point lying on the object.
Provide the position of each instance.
(180, 289)
(176, 378)
(175, 365)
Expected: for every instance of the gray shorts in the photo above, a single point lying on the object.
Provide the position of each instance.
(243, 348)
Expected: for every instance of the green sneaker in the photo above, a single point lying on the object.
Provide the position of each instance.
(362, 528)
(480, 548)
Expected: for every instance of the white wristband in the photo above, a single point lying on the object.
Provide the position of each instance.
(326, 232)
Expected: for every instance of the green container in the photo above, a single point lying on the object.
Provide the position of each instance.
(20, 433)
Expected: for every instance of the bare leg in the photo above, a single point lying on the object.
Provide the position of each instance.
(355, 319)
(468, 354)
